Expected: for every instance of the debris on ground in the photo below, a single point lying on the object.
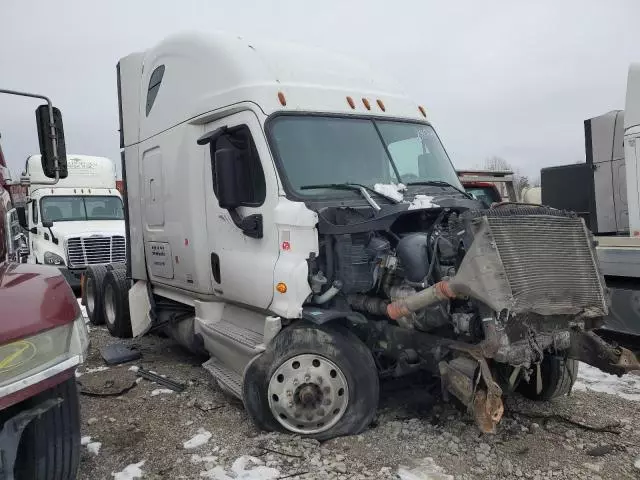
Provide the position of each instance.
(160, 379)
(412, 425)
(117, 353)
(159, 391)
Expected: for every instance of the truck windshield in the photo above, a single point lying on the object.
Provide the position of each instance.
(81, 208)
(316, 150)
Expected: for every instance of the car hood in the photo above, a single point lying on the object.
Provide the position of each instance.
(74, 229)
(33, 298)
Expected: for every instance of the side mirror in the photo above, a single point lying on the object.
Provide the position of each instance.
(51, 144)
(47, 223)
(232, 185)
(22, 217)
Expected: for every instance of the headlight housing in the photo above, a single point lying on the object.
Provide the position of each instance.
(41, 356)
(51, 258)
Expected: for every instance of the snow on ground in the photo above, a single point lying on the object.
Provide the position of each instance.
(130, 472)
(94, 447)
(199, 439)
(85, 440)
(423, 469)
(592, 379)
(243, 468)
(159, 391)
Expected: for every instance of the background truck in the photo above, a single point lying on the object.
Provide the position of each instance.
(604, 191)
(77, 222)
(489, 186)
(322, 241)
(43, 339)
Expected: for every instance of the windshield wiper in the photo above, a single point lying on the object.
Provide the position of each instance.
(357, 187)
(440, 183)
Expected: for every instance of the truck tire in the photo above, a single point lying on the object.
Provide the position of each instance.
(558, 376)
(115, 303)
(50, 445)
(92, 293)
(313, 380)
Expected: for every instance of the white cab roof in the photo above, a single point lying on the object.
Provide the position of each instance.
(84, 171)
(208, 72)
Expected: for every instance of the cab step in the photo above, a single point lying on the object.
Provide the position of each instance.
(227, 378)
(249, 340)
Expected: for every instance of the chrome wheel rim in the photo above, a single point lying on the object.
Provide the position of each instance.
(308, 394)
(109, 305)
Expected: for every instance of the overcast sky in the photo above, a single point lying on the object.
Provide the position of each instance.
(508, 78)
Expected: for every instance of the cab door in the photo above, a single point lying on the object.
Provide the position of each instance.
(242, 266)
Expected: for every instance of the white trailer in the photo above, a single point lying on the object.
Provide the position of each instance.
(296, 218)
(79, 221)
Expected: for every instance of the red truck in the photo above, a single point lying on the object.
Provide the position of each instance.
(43, 338)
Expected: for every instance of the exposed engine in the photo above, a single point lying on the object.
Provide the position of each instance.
(459, 292)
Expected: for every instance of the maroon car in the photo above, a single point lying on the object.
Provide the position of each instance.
(43, 338)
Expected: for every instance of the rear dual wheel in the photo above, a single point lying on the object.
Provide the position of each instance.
(115, 303)
(316, 381)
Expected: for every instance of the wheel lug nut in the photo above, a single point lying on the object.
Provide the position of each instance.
(290, 404)
(295, 382)
(307, 377)
(289, 393)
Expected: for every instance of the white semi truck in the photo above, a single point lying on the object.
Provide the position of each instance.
(296, 218)
(77, 222)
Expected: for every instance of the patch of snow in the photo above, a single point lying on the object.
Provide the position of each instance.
(199, 439)
(239, 470)
(94, 447)
(422, 201)
(159, 391)
(391, 190)
(130, 472)
(134, 368)
(592, 379)
(96, 370)
(423, 469)
(85, 440)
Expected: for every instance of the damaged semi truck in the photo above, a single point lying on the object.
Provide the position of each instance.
(294, 217)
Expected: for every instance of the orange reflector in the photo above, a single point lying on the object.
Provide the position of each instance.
(381, 105)
(366, 104)
(422, 111)
(351, 103)
(283, 101)
(281, 287)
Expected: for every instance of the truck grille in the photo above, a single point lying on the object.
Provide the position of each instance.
(94, 250)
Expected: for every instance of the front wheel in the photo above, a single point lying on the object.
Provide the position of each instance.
(316, 381)
(558, 375)
(115, 303)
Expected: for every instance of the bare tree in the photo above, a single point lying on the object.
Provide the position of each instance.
(520, 181)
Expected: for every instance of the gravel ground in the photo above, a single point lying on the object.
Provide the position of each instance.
(149, 432)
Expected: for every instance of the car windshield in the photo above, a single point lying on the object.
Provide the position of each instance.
(319, 150)
(81, 208)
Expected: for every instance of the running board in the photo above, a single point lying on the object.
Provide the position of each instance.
(248, 340)
(227, 378)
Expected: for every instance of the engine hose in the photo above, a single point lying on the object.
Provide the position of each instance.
(372, 305)
(438, 292)
(331, 292)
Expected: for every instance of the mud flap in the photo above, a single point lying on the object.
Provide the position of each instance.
(12, 433)
(139, 308)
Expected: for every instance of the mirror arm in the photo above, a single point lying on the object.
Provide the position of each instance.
(251, 226)
(52, 133)
(54, 239)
